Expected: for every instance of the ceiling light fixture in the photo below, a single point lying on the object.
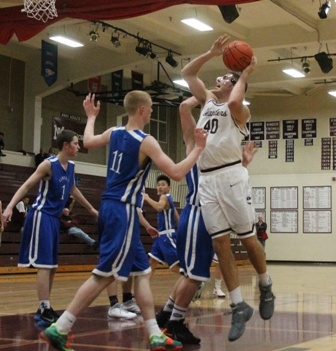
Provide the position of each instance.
(323, 59)
(144, 48)
(332, 92)
(293, 73)
(170, 60)
(324, 9)
(197, 24)
(305, 66)
(94, 35)
(181, 82)
(115, 39)
(66, 41)
(151, 53)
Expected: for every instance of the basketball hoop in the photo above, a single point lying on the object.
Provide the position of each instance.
(42, 10)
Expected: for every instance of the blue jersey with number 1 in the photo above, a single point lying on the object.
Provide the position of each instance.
(54, 192)
(40, 236)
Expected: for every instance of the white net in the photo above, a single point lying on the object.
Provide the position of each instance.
(42, 10)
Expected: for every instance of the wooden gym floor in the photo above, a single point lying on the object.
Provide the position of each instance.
(304, 320)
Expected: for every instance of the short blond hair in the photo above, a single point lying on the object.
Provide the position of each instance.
(134, 99)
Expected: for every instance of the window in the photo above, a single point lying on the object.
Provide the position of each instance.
(158, 124)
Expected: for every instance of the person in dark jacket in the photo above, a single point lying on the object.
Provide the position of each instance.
(69, 226)
(261, 228)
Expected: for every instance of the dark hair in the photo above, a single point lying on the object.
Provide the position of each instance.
(236, 76)
(65, 136)
(163, 177)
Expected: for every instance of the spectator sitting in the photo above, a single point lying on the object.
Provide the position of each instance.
(20, 211)
(51, 152)
(69, 226)
(40, 157)
(22, 206)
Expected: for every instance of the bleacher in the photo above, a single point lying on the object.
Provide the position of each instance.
(74, 255)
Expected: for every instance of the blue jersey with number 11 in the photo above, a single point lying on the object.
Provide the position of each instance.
(125, 180)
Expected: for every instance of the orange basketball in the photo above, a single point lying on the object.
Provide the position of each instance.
(237, 55)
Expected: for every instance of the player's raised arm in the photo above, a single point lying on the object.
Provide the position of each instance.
(176, 171)
(92, 109)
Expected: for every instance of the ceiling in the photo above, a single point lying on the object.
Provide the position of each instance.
(276, 29)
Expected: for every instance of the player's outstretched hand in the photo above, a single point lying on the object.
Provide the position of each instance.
(6, 216)
(153, 232)
(91, 109)
(200, 136)
(249, 151)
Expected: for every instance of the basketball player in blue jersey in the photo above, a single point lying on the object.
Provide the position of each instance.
(164, 247)
(224, 183)
(194, 246)
(122, 254)
(40, 236)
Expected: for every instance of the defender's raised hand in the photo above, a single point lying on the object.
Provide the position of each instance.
(91, 109)
(200, 137)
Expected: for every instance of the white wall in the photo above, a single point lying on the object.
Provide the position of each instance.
(304, 171)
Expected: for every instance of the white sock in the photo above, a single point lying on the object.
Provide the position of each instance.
(169, 305)
(265, 279)
(65, 322)
(218, 283)
(178, 313)
(152, 327)
(236, 296)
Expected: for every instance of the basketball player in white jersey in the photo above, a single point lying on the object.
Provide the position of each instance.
(224, 182)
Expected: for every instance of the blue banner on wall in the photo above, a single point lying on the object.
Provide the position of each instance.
(49, 62)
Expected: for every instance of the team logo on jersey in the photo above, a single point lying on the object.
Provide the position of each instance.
(218, 113)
